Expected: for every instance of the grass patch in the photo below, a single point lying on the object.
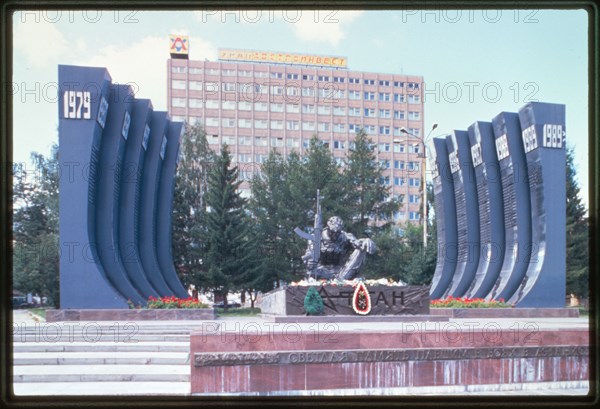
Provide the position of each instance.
(40, 312)
(237, 312)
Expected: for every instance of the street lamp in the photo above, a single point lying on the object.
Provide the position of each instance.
(423, 141)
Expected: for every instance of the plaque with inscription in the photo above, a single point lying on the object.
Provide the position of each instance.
(337, 300)
(131, 183)
(207, 359)
(112, 152)
(164, 209)
(84, 283)
(517, 204)
(491, 211)
(543, 139)
(467, 209)
(445, 211)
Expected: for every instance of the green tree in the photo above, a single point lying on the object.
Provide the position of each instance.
(35, 227)
(277, 212)
(284, 197)
(420, 261)
(577, 234)
(367, 198)
(319, 171)
(189, 205)
(390, 260)
(230, 257)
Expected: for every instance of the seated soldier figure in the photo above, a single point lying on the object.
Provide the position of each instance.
(342, 254)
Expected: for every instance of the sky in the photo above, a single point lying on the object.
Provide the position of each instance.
(475, 63)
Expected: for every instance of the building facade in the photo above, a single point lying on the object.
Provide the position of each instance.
(281, 101)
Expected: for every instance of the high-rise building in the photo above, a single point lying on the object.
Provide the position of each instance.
(256, 101)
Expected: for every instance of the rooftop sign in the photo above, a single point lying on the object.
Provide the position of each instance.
(283, 58)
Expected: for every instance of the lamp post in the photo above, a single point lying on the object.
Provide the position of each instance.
(424, 174)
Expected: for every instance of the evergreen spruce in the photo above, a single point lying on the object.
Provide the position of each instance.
(230, 257)
(367, 197)
(577, 235)
(189, 205)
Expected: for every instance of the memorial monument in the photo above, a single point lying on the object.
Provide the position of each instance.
(506, 186)
(333, 259)
(117, 158)
(332, 252)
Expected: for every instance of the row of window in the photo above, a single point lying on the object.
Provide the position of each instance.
(307, 126)
(398, 164)
(250, 89)
(337, 144)
(295, 108)
(402, 215)
(401, 181)
(292, 76)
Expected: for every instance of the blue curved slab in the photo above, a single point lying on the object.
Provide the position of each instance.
(517, 205)
(467, 208)
(164, 213)
(84, 94)
(112, 151)
(543, 138)
(148, 204)
(445, 211)
(491, 209)
(131, 183)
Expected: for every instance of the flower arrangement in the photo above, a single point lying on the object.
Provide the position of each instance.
(353, 283)
(173, 302)
(361, 301)
(465, 302)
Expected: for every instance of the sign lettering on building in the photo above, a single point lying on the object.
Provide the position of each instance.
(283, 58)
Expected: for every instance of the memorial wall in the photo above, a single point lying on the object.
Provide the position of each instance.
(500, 201)
(117, 160)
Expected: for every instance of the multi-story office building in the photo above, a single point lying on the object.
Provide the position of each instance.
(257, 101)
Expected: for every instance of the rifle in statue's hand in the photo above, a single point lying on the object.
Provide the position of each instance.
(315, 238)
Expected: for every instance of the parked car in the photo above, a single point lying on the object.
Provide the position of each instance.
(20, 302)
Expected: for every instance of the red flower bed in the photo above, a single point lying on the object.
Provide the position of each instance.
(464, 302)
(173, 302)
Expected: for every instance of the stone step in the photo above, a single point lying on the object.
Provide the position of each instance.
(101, 358)
(142, 346)
(93, 337)
(101, 388)
(101, 373)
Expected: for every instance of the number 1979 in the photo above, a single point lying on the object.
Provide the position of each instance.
(76, 105)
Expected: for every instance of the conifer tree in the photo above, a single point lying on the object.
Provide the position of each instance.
(367, 197)
(577, 234)
(189, 205)
(230, 256)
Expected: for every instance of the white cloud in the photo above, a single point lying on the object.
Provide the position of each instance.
(41, 43)
(324, 25)
(144, 64)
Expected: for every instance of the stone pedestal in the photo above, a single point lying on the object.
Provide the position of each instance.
(281, 359)
(337, 300)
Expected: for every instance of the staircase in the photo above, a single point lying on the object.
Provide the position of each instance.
(102, 358)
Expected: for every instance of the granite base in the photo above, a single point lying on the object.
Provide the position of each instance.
(131, 315)
(280, 358)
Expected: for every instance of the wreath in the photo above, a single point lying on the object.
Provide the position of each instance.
(361, 300)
